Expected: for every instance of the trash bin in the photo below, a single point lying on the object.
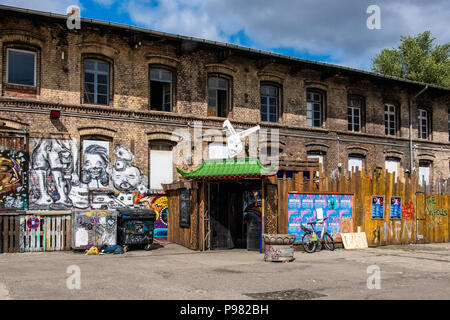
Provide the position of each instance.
(135, 227)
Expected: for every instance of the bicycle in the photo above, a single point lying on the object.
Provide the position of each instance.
(311, 241)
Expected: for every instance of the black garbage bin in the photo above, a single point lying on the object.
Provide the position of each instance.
(135, 227)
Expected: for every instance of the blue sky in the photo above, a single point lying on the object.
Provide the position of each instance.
(321, 30)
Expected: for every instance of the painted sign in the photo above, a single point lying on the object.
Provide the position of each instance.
(303, 208)
(13, 179)
(396, 208)
(377, 207)
(33, 223)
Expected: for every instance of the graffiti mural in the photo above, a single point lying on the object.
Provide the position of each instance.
(160, 205)
(53, 172)
(124, 174)
(13, 179)
(432, 209)
(95, 162)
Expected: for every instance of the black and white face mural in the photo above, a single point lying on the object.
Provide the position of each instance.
(124, 174)
(95, 162)
(54, 180)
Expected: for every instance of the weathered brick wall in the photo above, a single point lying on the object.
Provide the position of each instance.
(60, 82)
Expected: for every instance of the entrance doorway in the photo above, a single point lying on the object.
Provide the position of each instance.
(236, 214)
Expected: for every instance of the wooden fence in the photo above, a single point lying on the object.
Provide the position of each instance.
(424, 215)
(50, 232)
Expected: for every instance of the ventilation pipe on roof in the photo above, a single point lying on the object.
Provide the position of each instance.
(411, 155)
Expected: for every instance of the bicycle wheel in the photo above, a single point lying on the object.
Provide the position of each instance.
(308, 244)
(329, 242)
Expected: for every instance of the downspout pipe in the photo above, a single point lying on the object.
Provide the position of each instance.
(411, 100)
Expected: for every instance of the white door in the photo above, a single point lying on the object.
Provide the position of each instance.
(355, 164)
(161, 168)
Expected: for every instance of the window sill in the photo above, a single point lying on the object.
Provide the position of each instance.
(16, 90)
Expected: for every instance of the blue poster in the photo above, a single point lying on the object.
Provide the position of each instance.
(302, 209)
(396, 207)
(377, 207)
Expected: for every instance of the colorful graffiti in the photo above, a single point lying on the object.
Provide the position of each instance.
(160, 205)
(302, 210)
(432, 209)
(408, 210)
(13, 179)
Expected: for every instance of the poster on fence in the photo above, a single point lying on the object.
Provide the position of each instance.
(302, 209)
(377, 207)
(396, 208)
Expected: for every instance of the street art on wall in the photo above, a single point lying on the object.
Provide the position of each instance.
(55, 184)
(124, 174)
(302, 210)
(13, 179)
(95, 163)
(53, 172)
(160, 205)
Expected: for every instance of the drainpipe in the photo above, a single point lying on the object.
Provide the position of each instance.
(410, 127)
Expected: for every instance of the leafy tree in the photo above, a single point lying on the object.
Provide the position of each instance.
(416, 58)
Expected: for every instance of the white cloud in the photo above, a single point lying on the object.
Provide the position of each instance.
(321, 27)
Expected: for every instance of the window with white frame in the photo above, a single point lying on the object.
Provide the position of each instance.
(355, 163)
(161, 166)
(218, 96)
(269, 103)
(354, 113)
(160, 89)
(96, 82)
(21, 67)
(424, 173)
(314, 108)
(424, 125)
(390, 119)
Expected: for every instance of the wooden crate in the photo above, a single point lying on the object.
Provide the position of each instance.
(9, 233)
(52, 234)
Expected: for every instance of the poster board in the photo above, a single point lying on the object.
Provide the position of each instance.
(356, 240)
(185, 218)
(396, 208)
(302, 209)
(377, 207)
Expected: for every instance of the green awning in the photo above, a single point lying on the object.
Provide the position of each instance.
(228, 169)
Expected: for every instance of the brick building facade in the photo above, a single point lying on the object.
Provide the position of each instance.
(101, 78)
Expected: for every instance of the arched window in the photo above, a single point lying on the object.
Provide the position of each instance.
(96, 82)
